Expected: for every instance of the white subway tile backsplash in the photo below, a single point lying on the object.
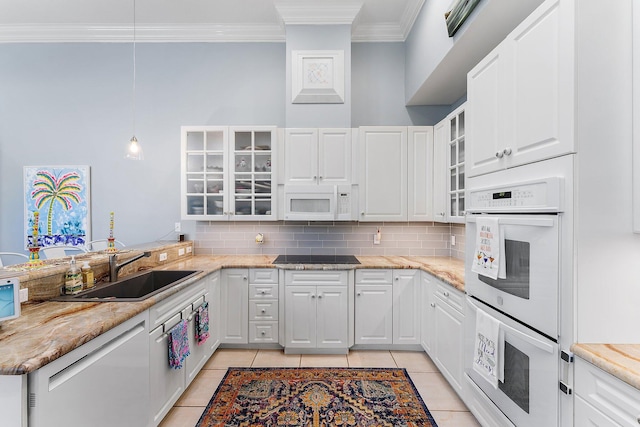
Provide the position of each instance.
(323, 238)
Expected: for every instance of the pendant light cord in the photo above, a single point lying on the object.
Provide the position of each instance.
(133, 104)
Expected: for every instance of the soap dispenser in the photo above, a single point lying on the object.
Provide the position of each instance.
(73, 278)
(87, 276)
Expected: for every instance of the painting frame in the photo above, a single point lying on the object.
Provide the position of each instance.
(458, 13)
(62, 196)
(317, 77)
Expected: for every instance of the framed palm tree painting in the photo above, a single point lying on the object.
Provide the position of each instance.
(60, 195)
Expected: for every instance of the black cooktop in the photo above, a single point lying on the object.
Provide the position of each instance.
(316, 259)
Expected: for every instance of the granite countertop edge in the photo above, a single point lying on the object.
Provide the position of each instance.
(620, 360)
(47, 330)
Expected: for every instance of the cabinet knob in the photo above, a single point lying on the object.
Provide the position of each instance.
(362, 213)
(263, 292)
(507, 151)
(263, 311)
(499, 154)
(433, 304)
(397, 278)
(313, 296)
(262, 333)
(358, 294)
(445, 293)
(320, 177)
(319, 296)
(244, 278)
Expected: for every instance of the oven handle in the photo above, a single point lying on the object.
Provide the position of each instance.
(532, 222)
(531, 340)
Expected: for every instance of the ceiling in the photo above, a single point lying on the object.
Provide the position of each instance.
(200, 20)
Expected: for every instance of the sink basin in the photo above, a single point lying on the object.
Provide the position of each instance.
(133, 288)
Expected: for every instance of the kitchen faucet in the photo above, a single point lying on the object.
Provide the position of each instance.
(114, 267)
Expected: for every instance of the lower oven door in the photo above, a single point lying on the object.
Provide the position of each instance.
(529, 394)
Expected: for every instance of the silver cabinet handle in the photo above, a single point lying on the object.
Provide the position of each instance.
(362, 213)
(358, 294)
(244, 278)
(319, 296)
(397, 278)
(433, 304)
(446, 294)
(499, 154)
(262, 333)
(313, 296)
(263, 311)
(507, 151)
(263, 292)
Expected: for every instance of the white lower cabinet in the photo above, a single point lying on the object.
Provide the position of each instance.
(166, 384)
(105, 382)
(387, 307)
(446, 328)
(373, 307)
(603, 400)
(426, 313)
(316, 310)
(263, 305)
(234, 292)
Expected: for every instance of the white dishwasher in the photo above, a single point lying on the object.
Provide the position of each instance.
(65, 392)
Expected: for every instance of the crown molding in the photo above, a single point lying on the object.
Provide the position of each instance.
(377, 33)
(144, 33)
(327, 12)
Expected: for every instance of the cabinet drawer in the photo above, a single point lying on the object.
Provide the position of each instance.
(263, 310)
(374, 276)
(613, 397)
(316, 277)
(166, 308)
(263, 275)
(263, 291)
(451, 296)
(263, 332)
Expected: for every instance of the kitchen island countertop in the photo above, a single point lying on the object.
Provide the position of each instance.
(47, 330)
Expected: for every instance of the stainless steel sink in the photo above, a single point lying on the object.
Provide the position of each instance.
(133, 288)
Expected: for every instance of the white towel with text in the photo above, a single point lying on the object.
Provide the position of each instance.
(488, 257)
(488, 358)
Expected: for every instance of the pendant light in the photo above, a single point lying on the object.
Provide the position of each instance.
(134, 149)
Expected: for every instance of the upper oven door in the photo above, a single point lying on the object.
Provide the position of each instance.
(530, 290)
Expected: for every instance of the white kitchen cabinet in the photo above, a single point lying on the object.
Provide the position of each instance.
(383, 173)
(446, 328)
(167, 384)
(519, 107)
(100, 383)
(227, 173)
(316, 311)
(406, 306)
(317, 156)
(234, 296)
(603, 400)
(396, 173)
(263, 305)
(427, 313)
(449, 167)
(213, 281)
(420, 173)
(374, 306)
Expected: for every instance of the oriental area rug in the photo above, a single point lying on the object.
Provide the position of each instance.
(316, 397)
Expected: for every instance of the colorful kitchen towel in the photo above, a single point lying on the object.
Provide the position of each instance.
(202, 323)
(178, 344)
(488, 359)
(487, 259)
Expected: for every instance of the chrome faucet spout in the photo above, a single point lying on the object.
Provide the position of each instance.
(114, 267)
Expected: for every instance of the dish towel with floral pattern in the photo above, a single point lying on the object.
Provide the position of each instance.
(202, 323)
(178, 344)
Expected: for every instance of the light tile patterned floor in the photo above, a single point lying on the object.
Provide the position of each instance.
(443, 403)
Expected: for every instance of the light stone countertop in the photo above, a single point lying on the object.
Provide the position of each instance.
(47, 330)
(620, 360)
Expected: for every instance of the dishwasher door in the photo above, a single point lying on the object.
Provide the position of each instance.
(103, 383)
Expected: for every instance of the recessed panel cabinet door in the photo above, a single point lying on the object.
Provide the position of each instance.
(373, 313)
(331, 328)
(301, 156)
(300, 316)
(383, 173)
(235, 311)
(406, 304)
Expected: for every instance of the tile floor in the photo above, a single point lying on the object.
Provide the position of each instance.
(443, 403)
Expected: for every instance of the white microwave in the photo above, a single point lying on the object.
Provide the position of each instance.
(318, 203)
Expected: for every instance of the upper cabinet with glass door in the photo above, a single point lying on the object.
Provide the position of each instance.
(227, 174)
(456, 166)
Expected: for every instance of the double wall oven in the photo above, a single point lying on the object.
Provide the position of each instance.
(525, 298)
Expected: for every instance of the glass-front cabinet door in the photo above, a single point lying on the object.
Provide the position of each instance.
(252, 192)
(227, 174)
(456, 156)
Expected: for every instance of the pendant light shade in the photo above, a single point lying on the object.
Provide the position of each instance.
(134, 149)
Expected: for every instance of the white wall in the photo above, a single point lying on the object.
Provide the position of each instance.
(608, 253)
